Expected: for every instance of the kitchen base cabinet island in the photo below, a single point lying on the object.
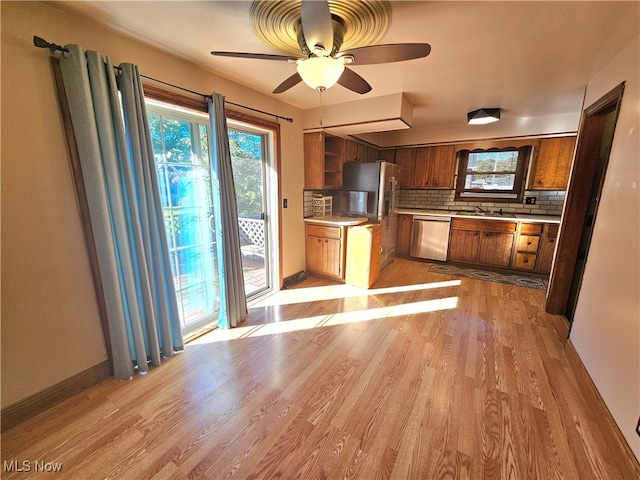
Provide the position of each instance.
(326, 245)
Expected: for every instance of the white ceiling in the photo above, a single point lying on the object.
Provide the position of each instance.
(532, 59)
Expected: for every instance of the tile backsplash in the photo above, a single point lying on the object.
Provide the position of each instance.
(547, 202)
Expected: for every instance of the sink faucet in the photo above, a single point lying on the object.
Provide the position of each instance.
(476, 207)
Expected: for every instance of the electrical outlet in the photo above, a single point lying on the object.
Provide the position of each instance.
(530, 200)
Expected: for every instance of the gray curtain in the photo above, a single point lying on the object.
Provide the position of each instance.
(118, 169)
(233, 300)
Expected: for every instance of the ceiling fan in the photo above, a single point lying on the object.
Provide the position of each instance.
(320, 36)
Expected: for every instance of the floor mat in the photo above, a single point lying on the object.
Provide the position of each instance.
(489, 276)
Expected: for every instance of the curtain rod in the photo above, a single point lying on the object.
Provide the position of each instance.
(53, 47)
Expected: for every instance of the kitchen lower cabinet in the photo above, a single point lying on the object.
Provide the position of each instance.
(364, 247)
(481, 242)
(525, 255)
(403, 234)
(464, 245)
(547, 247)
(495, 249)
(325, 250)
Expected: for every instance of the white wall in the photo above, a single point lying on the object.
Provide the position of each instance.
(606, 327)
(50, 323)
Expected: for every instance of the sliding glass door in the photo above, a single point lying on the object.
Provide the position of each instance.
(181, 151)
(180, 146)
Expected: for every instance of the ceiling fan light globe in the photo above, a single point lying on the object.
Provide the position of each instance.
(320, 73)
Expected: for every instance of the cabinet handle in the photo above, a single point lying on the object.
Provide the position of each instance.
(528, 243)
(526, 260)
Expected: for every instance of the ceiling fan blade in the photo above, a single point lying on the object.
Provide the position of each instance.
(316, 24)
(292, 81)
(397, 52)
(258, 56)
(354, 82)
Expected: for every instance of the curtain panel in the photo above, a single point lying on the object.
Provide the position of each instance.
(233, 300)
(118, 170)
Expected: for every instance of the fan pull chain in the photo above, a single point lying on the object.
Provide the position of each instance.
(320, 132)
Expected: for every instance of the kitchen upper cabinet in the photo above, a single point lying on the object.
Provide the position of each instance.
(552, 164)
(357, 152)
(372, 154)
(427, 167)
(324, 156)
(387, 155)
(351, 151)
(406, 158)
(325, 250)
(403, 234)
(443, 167)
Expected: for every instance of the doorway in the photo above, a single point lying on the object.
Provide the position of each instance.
(581, 205)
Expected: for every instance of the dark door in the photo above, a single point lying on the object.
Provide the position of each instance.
(592, 209)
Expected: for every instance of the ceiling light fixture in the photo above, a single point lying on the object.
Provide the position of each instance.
(320, 73)
(483, 115)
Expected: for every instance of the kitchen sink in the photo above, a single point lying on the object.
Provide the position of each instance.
(468, 213)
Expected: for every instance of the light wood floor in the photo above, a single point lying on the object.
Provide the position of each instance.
(440, 378)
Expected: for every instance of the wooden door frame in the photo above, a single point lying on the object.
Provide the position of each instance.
(578, 192)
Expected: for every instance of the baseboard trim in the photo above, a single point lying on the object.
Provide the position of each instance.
(580, 369)
(47, 398)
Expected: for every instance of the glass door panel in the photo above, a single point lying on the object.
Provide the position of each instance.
(248, 158)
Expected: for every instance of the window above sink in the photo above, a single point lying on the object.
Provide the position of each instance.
(492, 175)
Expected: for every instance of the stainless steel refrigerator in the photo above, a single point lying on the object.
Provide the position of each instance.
(380, 181)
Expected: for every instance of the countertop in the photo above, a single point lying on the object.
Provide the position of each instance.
(337, 221)
(514, 217)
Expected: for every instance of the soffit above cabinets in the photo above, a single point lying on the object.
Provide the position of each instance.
(379, 114)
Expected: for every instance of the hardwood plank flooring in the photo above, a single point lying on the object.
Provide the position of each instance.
(425, 376)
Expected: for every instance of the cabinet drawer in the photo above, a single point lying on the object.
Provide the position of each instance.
(323, 231)
(531, 228)
(528, 243)
(525, 261)
(483, 225)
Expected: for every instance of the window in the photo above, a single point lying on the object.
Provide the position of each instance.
(495, 175)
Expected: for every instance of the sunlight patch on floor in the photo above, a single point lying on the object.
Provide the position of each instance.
(328, 320)
(332, 292)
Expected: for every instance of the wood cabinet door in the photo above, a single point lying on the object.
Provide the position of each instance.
(314, 256)
(547, 248)
(495, 249)
(372, 154)
(403, 234)
(423, 167)
(405, 157)
(463, 246)
(443, 169)
(351, 151)
(552, 164)
(387, 155)
(362, 153)
(332, 258)
(314, 161)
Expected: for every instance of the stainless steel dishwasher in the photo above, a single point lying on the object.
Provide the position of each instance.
(430, 237)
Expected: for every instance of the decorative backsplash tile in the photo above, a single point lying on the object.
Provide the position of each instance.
(547, 202)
